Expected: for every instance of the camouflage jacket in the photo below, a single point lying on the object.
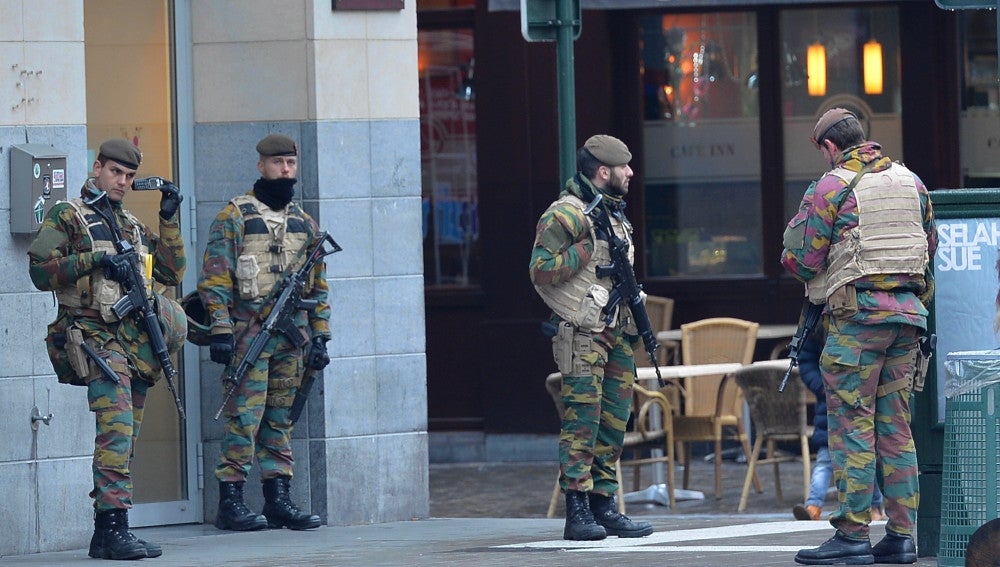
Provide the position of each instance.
(62, 253)
(827, 214)
(563, 245)
(228, 313)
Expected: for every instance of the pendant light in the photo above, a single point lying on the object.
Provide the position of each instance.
(872, 62)
(816, 69)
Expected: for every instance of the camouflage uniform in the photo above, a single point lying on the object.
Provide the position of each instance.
(61, 257)
(866, 348)
(257, 418)
(598, 393)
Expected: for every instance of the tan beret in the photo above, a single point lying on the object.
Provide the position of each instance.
(277, 145)
(829, 119)
(121, 151)
(608, 150)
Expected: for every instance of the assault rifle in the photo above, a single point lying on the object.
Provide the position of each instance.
(624, 286)
(285, 300)
(302, 394)
(809, 321)
(136, 301)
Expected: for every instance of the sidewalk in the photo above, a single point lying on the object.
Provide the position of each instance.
(513, 532)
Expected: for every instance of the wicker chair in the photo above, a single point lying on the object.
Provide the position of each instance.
(713, 405)
(652, 429)
(776, 417)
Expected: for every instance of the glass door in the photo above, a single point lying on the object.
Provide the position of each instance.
(130, 77)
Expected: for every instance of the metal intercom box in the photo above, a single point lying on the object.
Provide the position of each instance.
(37, 181)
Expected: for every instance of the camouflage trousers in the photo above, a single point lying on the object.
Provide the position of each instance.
(856, 360)
(597, 410)
(257, 421)
(118, 410)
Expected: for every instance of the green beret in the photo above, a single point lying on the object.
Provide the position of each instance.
(277, 145)
(122, 151)
(608, 150)
(829, 119)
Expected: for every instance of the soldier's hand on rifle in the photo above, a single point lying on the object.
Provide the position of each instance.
(170, 200)
(115, 267)
(318, 357)
(222, 347)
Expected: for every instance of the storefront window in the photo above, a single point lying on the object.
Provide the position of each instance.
(702, 144)
(448, 157)
(837, 57)
(980, 118)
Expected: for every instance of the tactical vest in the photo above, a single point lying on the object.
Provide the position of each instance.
(889, 237)
(580, 299)
(94, 291)
(272, 241)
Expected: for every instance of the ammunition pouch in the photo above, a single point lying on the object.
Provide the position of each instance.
(66, 359)
(843, 302)
(590, 315)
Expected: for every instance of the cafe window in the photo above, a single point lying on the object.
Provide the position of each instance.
(837, 57)
(448, 157)
(979, 128)
(702, 144)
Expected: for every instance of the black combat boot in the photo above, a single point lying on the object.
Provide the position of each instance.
(279, 509)
(895, 548)
(233, 512)
(580, 523)
(112, 540)
(606, 513)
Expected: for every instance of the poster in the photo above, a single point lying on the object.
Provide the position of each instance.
(965, 272)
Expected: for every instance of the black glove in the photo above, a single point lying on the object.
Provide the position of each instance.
(222, 347)
(170, 200)
(318, 357)
(115, 266)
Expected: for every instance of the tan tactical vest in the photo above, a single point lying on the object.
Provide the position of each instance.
(271, 244)
(94, 291)
(889, 238)
(580, 299)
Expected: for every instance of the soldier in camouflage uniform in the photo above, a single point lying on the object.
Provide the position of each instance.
(73, 255)
(254, 241)
(869, 231)
(592, 349)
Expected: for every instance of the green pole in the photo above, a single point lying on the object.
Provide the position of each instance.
(566, 89)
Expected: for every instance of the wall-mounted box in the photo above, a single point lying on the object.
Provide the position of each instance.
(37, 181)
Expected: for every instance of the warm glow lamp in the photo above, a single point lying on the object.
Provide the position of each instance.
(816, 69)
(873, 67)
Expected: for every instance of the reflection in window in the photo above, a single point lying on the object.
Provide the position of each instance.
(853, 77)
(980, 119)
(702, 144)
(448, 157)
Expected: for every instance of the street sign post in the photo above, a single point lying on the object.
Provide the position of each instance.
(540, 20)
(559, 21)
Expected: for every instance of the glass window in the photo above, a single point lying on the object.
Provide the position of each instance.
(702, 144)
(980, 118)
(837, 57)
(448, 157)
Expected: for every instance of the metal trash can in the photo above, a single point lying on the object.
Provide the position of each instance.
(969, 494)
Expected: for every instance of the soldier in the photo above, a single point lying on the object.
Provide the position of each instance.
(870, 231)
(253, 242)
(74, 256)
(592, 349)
